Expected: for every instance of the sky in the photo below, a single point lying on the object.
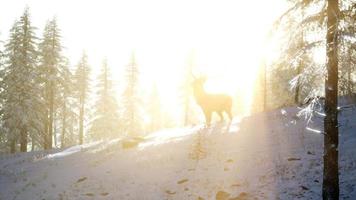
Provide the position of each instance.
(222, 38)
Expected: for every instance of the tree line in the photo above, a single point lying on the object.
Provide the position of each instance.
(44, 103)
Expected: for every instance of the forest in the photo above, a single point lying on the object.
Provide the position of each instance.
(66, 123)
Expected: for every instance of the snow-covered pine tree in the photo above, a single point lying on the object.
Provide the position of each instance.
(21, 91)
(332, 18)
(67, 116)
(298, 64)
(82, 91)
(106, 122)
(50, 70)
(131, 116)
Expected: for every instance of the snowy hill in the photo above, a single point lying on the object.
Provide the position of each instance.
(265, 156)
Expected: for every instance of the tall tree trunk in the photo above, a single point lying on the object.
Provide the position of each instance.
(297, 88)
(52, 98)
(23, 140)
(81, 121)
(64, 110)
(55, 131)
(51, 114)
(32, 143)
(45, 135)
(13, 146)
(23, 133)
(331, 137)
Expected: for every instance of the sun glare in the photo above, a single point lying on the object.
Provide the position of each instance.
(226, 36)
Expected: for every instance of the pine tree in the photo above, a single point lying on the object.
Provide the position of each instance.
(106, 123)
(67, 116)
(131, 116)
(21, 100)
(332, 18)
(50, 71)
(82, 91)
(296, 66)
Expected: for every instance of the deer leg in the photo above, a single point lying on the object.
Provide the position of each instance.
(229, 114)
(207, 118)
(221, 116)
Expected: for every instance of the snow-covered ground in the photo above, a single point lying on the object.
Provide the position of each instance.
(273, 155)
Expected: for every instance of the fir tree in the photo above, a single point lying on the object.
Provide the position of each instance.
(50, 71)
(332, 18)
(21, 100)
(297, 66)
(67, 116)
(82, 91)
(106, 123)
(132, 119)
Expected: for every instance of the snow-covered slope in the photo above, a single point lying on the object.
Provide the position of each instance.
(273, 155)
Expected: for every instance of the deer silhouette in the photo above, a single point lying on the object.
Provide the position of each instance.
(210, 103)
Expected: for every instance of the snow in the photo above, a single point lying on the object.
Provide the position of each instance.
(72, 150)
(273, 155)
(313, 130)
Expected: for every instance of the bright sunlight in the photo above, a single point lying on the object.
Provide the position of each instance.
(223, 40)
(177, 99)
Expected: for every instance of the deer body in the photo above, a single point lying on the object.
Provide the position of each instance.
(209, 103)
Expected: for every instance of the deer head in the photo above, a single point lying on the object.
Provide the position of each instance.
(198, 87)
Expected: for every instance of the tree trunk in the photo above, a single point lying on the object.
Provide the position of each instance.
(297, 88)
(45, 135)
(81, 122)
(64, 110)
(32, 144)
(51, 114)
(54, 132)
(13, 146)
(23, 140)
(331, 140)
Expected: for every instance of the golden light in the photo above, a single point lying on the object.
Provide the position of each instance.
(226, 36)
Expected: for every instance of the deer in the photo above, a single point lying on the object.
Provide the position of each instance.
(209, 103)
